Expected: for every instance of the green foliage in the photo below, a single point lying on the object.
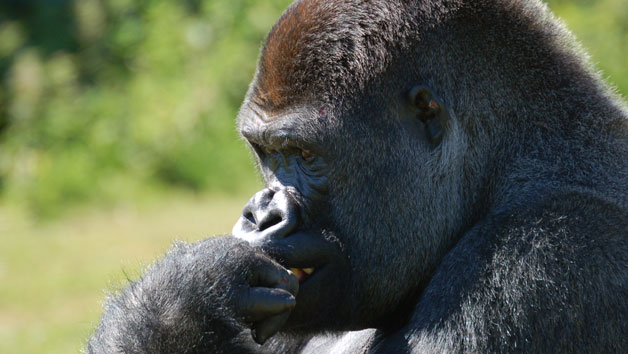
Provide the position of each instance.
(602, 27)
(98, 94)
(109, 99)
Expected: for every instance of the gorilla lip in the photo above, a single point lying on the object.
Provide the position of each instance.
(305, 254)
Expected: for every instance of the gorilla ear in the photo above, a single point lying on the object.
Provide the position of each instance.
(430, 111)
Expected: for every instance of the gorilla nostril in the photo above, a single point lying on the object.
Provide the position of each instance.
(269, 222)
(249, 216)
(268, 214)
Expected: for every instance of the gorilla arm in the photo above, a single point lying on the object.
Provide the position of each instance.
(199, 299)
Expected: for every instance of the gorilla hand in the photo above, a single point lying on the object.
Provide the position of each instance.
(199, 298)
(268, 296)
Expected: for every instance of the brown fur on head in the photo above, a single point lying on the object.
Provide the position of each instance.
(317, 46)
(286, 49)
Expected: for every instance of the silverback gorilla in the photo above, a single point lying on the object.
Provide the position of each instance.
(441, 176)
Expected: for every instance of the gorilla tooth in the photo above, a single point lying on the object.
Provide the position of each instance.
(302, 273)
(308, 271)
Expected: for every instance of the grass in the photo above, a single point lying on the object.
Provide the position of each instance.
(54, 275)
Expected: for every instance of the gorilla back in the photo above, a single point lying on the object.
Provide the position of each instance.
(441, 176)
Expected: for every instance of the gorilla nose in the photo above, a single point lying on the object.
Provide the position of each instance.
(268, 214)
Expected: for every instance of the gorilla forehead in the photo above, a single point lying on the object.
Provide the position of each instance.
(329, 50)
(327, 46)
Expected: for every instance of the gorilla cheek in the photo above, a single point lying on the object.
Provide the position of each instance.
(381, 238)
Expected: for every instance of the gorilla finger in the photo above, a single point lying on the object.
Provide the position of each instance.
(301, 249)
(268, 327)
(271, 275)
(265, 302)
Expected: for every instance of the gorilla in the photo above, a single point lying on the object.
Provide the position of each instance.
(440, 176)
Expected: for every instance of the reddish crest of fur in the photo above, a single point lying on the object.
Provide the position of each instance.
(325, 49)
(282, 58)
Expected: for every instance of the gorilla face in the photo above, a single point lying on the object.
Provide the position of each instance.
(351, 205)
(362, 192)
(287, 218)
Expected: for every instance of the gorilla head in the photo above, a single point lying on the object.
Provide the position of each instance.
(376, 128)
(360, 186)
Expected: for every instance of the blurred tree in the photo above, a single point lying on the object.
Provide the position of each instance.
(104, 98)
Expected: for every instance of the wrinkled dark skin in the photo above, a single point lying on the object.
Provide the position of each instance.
(295, 172)
(272, 220)
(440, 177)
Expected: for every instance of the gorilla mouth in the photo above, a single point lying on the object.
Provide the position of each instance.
(302, 274)
(308, 256)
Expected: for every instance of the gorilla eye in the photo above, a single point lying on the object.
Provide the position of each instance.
(270, 151)
(306, 155)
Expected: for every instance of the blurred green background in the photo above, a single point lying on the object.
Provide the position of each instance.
(117, 136)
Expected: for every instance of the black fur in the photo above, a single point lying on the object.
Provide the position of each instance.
(508, 233)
